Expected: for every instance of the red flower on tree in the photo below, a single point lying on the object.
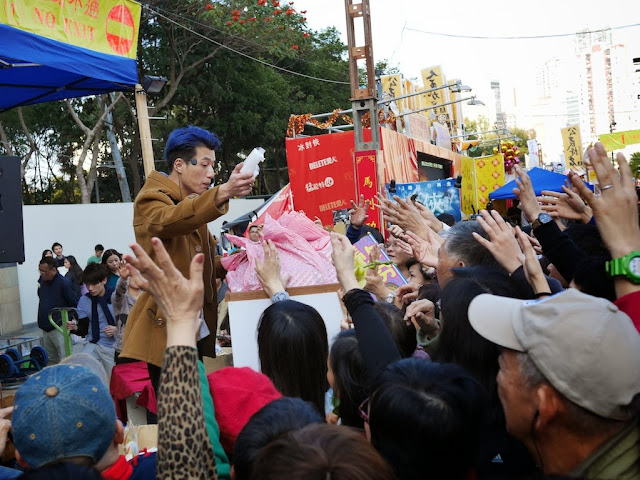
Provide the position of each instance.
(209, 6)
(289, 11)
(235, 13)
(277, 12)
(235, 18)
(241, 22)
(268, 19)
(228, 23)
(276, 3)
(295, 47)
(303, 12)
(252, 19)
(305, 35)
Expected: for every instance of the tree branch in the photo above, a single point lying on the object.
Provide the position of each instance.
(5, 140)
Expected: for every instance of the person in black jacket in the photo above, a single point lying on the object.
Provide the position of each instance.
(54, 291)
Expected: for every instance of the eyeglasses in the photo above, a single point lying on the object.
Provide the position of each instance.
(362, 410)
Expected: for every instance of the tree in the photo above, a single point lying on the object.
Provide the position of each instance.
(634, 164)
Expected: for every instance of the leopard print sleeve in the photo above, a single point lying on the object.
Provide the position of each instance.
(184, 449)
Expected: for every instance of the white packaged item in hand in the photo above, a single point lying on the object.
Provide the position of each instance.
(251, 163)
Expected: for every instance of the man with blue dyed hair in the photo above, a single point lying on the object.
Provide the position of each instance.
(176, 207)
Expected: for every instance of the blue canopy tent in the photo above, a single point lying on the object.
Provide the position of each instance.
(541, 179)
(35, 68)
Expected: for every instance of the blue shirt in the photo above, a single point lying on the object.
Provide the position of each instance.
(84, 311)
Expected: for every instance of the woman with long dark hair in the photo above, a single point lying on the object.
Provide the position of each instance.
(111, 261)
(74, 274)
(293, 350)
(348, 378)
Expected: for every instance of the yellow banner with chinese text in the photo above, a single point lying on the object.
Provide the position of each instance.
(392, 87)
(619, 140)
(105, 26)
(572, 148)
(432, 77)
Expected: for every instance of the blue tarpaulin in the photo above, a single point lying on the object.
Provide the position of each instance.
(541, 179)
(35, 69)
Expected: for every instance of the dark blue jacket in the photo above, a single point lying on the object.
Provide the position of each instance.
(56, 293)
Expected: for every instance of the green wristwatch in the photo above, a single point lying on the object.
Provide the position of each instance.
(543, 219)
(628, 266)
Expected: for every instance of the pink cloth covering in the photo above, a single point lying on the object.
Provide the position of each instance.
(303, 247)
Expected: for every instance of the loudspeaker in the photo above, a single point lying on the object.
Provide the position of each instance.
(12, 236)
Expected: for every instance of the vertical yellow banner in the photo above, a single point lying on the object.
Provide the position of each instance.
(408, 103)
(391, 85)
(572, 147)
(489, 177)
(468, 190)
(432, 77)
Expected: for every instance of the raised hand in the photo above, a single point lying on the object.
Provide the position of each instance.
(565, 205)
(532, 268)
(616, 209)
(358, 212)
(502, 242)
(342, 257)
(429, 217)
(526, 194)
(238, 185)
(269, 271)
(404, 214)
(423, 250)
(421, 314)
(179, 298)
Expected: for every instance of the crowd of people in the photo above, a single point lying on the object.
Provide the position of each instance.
(511, 352)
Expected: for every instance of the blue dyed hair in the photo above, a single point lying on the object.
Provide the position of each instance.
(182, 143)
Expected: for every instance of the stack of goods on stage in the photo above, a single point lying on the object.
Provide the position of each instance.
(303, 247)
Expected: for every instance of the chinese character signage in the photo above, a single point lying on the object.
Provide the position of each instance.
(321, 172)
(432, 78)
(367, 183)
(390, 274)
(392, 87)
(439, 195)
(572, 147)
(619, 140)
(106, 26)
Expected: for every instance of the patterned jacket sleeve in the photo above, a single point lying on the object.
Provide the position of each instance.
(184, 450)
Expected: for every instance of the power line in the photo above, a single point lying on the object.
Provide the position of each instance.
(286, 70)
(528, 37)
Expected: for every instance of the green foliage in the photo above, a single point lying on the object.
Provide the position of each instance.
(634, 164)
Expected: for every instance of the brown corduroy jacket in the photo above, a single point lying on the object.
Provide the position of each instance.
(181, 223)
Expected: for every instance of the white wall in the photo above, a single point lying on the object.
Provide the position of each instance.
(79, 228)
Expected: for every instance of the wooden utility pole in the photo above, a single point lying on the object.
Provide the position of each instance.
(145, 130)
(363, 100)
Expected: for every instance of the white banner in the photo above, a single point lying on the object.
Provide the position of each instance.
(534, 159)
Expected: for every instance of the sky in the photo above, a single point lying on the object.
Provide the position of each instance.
(398, 28)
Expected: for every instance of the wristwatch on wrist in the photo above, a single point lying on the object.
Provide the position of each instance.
(542, 219)
(627, 266)
(390, 297)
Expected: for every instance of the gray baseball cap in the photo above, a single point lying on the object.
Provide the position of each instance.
(584, 346)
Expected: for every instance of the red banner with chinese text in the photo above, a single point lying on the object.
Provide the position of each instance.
(367, 183)
(321, 173)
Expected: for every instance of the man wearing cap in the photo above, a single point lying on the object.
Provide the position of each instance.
(66, 413)
(569, 380)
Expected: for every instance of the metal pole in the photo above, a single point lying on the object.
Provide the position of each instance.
(436, 106)
(117, 158)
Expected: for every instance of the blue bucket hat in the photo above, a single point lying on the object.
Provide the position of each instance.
(62, 412)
